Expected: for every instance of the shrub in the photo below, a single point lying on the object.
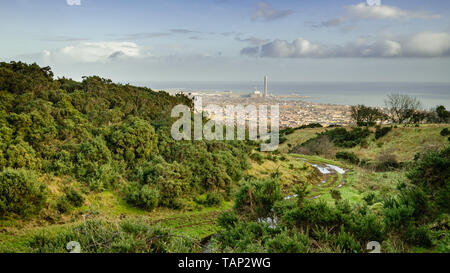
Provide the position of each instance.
(288, 242)
(347, 243)
(382, 131)
(445, 132)
(347, 139)
(430, 174)
(63, 205)
(348, 156)
(370, 198)
(257, 157)
(336, 195)
(145, 197)
(21, 155)
(419, 236)
(387, 160)
(135, 140)
(256, 197)
(227, 219)
(213, 199)
(74, 197)
(20, 193)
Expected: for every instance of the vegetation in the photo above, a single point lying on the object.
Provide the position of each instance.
(94, 162)
(106, 136)
(366, 116)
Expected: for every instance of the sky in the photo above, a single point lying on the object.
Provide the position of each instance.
(232, 40)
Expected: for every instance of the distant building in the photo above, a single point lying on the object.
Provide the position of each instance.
(256, 94)
(266, 79)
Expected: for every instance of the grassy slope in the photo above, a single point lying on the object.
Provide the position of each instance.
(404, 142)
(199, 223)
(298, 137)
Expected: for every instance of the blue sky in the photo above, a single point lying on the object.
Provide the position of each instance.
(231, 40)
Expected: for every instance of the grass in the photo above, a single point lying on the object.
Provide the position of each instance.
(404, 142)
(298, 137)
(108, 206)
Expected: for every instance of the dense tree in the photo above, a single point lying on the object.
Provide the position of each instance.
(443, 114)
(366, 116)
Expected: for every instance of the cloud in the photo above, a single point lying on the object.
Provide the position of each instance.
(144, 35)
(365, 11)
(63, 39)
(421, 45)
(73, 2)
(332, 22)
(266, 12)
(91, 52)
(183, 31)
(251, 40)
(250, 51)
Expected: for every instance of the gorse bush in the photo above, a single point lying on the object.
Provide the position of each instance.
(145, 197)
(382, 131)
(257, 197)
(20, 192)
(348, 156)
(445, 132)
(347, 139)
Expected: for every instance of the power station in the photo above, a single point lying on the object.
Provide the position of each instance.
(265, 86)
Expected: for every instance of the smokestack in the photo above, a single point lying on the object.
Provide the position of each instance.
(265, 86)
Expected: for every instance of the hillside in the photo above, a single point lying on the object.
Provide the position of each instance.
(94, 162)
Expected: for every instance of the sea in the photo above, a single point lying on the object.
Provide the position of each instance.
(343, 93)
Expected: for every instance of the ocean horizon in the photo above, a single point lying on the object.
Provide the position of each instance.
(344, 93)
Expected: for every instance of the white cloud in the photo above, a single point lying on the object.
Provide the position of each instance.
(374, 11)
(73, 2)
(266, 12)
(428, 44)
(365, 11)
(90, 52)
(421, 45)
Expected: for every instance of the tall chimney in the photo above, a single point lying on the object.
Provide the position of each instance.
(265, 86)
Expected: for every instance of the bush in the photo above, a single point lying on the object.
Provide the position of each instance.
(63, 205)
(20, 193)
(213, 199)
(419, 236)
(445, 132)
(227, 219)
(288, 242)
(145, 197)
(345, 242)
(257, 157)
(381, 132)
(430, 174)
(347, 139)
(387, 160)
(370, 198)
(74, 197)
(336, 195)
(257, 197)
(348, 156)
